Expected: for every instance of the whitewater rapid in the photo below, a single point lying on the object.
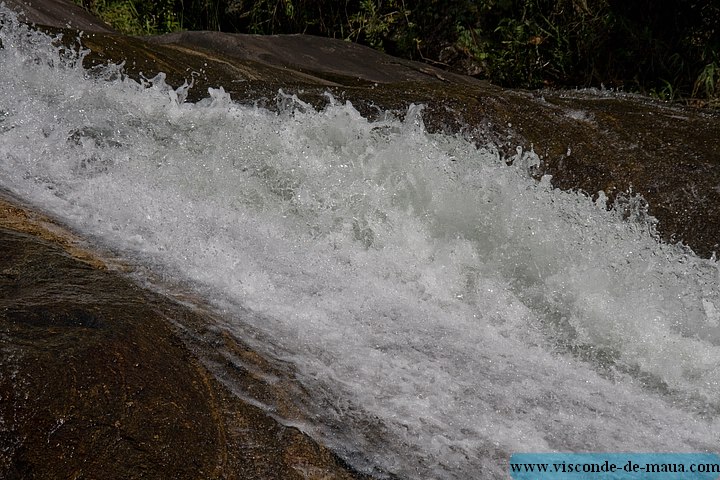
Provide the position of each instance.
(443, 309)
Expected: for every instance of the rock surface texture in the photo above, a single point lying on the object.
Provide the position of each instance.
(100, 378)
(587, 140)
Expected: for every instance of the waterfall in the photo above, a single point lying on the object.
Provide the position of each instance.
(442, 308)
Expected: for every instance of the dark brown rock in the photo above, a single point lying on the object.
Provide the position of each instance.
(587, 141)
(57, 13)
(101, 379)
(324, 60)
(591, 142)
(97, 378)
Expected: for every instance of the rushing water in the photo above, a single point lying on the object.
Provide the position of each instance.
(442, 308)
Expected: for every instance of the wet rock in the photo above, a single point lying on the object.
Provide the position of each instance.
(100, 378)
(58, 13)
(589, 141)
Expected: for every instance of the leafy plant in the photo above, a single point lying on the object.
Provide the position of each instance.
(665, 92)
(135, 17)
(373, 24)
(514, 43)
(708, 81)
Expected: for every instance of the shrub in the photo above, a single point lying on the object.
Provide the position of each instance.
(670, 49)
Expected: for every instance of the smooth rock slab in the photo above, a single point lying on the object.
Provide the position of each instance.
(102, 379)
(57, 13)
(589, 141)
(98, 378)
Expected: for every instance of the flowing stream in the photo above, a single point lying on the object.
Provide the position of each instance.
(442, 308)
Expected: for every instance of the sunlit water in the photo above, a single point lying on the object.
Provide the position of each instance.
(442, 308)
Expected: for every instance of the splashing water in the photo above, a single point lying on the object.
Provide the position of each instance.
(443, 309)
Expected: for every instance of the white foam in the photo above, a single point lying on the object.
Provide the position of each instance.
(444, 310)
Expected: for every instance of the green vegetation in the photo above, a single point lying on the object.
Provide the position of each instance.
(668, 49)
(134, 17)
